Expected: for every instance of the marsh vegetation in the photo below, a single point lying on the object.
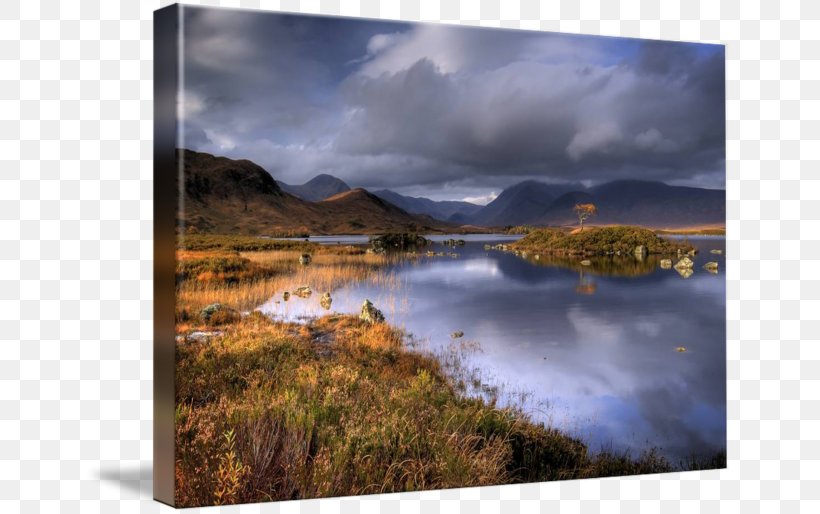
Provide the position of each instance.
(272, 410)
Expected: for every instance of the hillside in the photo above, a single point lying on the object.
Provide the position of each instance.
(632, 202)
(443, 210)
(316, 189)
(239, 197)
(523, 203)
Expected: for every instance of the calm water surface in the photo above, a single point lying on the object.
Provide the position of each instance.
(596, 350)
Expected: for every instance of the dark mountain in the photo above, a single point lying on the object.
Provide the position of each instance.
(520, 204)
(658, 205)
(239, 197)
(635, 202)
(316, 189)
(440, 210)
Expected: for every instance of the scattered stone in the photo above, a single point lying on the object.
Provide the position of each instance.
(325, 301)
(286, 296)
(303, 291)
(716, 251)
(586, 262)
(203, 335)
(304, 259)
(685, 263)
(370, 314)
(711, 267)
(666, 263)
(457, 334)
(216, 313)
(685, 272)
(680, 349)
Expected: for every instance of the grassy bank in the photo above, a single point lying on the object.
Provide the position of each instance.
(242, 280)
(271, 411)
(268, 410)
(597, 241)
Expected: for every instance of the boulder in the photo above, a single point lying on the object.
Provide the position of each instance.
(304, 259)
(641, 251)
(711, 267)
(685, 272)
(586, 262)
(666, 263)
(684, 263)
(218, 314)
(303, 291)
(692, 252)
(325, 301)
(370, 314)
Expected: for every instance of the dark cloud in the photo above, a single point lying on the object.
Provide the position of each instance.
(446, 111)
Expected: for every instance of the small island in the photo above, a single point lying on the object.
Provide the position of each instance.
(613, 240)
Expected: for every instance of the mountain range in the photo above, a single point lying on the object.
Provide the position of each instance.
(226, 195)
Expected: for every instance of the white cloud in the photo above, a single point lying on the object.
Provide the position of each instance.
(481, 200)
(598, 139)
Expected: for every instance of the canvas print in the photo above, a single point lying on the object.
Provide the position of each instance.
(403, 256)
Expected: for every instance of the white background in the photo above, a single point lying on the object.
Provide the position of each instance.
(76, 249)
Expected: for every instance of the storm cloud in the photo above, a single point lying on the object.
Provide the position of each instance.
(448, 112)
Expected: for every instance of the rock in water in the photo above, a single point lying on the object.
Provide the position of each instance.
(586, 262)
(711, 267)
(325, 301)
(685, 263)
(304, 259)
(716, 251)
(458, 334)
(370, 314)
(685, 272)
(303, 291)
(286, 296)
(666, 263)
(641, 252)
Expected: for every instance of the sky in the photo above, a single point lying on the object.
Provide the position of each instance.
(448, 112)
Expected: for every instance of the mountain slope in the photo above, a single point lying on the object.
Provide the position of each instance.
(442, 210)
(520, 204)
(229, 196)
(316, 189)
(634, 202)
(658, 205)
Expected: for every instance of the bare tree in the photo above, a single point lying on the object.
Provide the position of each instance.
(584, 211)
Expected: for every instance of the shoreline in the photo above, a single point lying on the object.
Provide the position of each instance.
(333, 385)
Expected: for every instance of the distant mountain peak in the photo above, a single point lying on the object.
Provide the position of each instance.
(318, 188)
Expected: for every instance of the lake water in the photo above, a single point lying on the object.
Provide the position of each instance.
(595, 347)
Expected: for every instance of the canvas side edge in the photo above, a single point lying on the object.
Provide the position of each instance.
(166, 84)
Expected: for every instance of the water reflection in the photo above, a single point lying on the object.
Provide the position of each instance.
(597, 343)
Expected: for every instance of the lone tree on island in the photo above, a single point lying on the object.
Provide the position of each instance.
(584, 211)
